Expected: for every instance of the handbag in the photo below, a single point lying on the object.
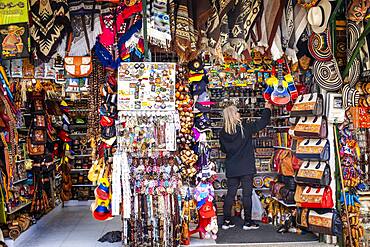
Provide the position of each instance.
(283, 160)
(287, 195)
(313, 149)
(302, 218)
(34, 150)
(327, 222)
(275, 190)
(308, 105)
(314, 127)
(39, 122)
(38, 105)
(314, 173)
(38, 137)
(311, 197)
(289, 182)
(78, 66)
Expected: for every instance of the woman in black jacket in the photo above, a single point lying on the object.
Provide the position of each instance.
(236, 143)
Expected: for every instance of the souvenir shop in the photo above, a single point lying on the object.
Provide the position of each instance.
(120, 103)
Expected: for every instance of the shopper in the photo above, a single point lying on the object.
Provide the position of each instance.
(236, 143)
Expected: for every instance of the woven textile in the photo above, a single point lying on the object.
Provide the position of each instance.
(50, 22)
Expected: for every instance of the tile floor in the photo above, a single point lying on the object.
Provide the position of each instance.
(70, 226)
(73, 226)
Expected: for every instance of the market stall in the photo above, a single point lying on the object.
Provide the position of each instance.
(121, 103)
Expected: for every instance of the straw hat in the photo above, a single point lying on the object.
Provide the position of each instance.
(318, 16)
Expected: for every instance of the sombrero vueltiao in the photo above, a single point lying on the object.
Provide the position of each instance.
(319, 46)
(351, 96)
(327, 75)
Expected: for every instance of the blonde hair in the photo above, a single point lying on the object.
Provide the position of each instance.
(231, 120)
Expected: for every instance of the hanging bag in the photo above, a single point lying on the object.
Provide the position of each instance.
(78, 66)
(302, 218)
(284, 160)
(314, 173)
(313, 149)
(308, 105)
(326, 222)
(314, 127)
(310, 197)
(34, 149)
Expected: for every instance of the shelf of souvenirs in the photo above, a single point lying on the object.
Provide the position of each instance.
(283, 203)
(16, 209)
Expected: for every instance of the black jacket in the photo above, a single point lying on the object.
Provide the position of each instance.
(239, 151)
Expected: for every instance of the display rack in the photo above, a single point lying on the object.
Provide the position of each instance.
(82, 188)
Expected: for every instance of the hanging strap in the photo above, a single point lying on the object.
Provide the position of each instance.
(70, 37)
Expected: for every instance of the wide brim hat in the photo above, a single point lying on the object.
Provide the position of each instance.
(327, 75)
(353, 34)
(318, 16)
(319, 46)
(351, 96)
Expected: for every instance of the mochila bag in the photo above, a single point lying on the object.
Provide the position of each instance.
(287, 195)
(314, 173)
(283, 160)
(288, 181)
(275, 190)
(327, 222)
(311, 197)
(39, 122)
(308, 105)
(78, 66)
(313, 149)
(313, 127)
(38, 137)
(35, 150)
(302, 218)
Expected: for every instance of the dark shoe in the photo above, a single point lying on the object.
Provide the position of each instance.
(250, 225)
(228, 224)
